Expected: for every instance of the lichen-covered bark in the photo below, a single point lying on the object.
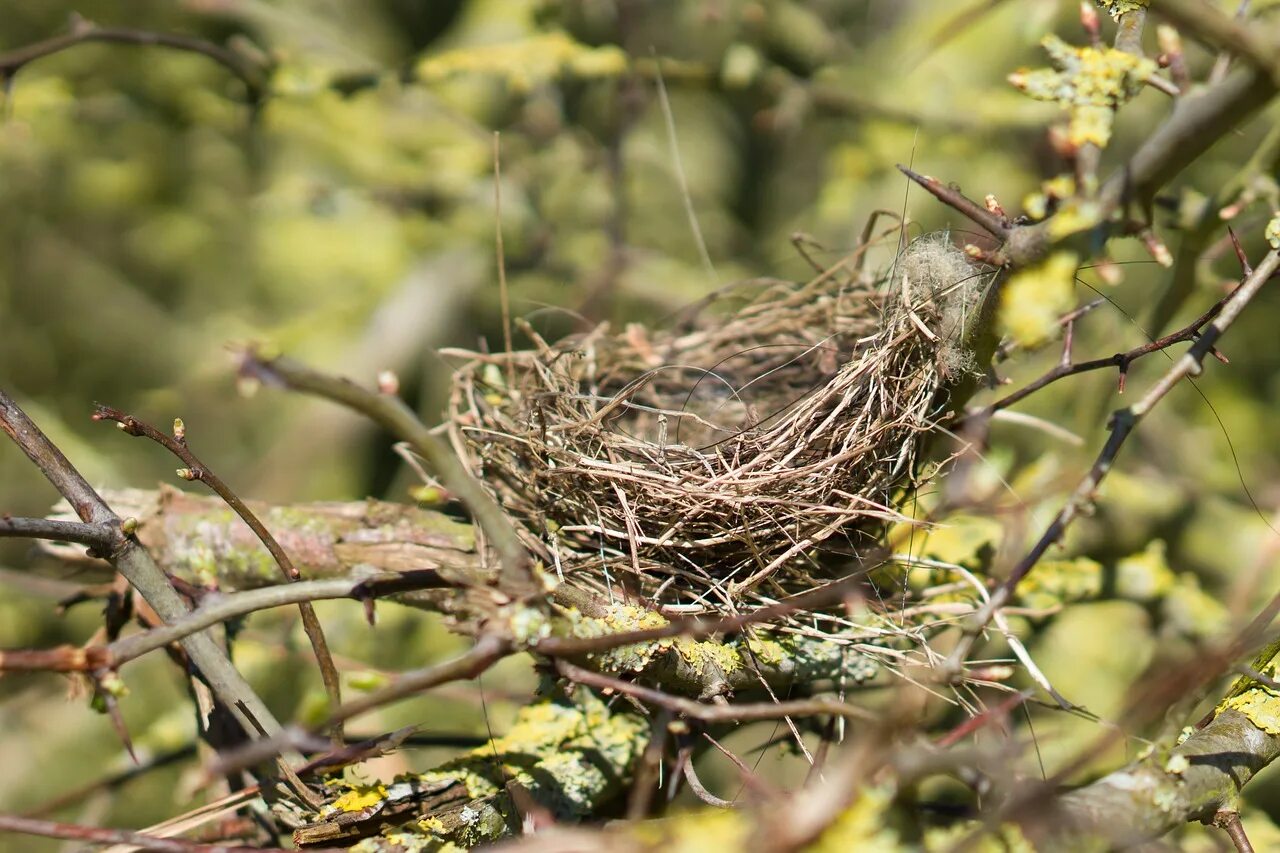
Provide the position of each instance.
(1200, 777)
(200, 540)
(568, 758)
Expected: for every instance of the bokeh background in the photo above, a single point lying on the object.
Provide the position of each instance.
(149, 217)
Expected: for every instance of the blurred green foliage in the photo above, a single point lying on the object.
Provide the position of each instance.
(149, 216)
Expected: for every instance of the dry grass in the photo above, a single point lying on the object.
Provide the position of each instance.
(713, 462)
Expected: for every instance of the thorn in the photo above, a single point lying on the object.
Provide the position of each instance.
(1213, 351)
(370, 611)
(1124, 373)
(1245, 267)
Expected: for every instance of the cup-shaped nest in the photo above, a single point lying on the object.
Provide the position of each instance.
(694, 464)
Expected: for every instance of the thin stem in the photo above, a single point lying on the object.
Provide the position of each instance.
(393, 415)
(1120, 360)
(94, 835)
(1123, 422)
(84, 31)
(102, 537)
(137, 566)
(728, 713)
(487, 651)
(197, 470)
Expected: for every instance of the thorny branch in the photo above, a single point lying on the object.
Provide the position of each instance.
(1123, 422)
(1121, 361)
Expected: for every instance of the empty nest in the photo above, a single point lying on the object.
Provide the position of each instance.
(720, 458)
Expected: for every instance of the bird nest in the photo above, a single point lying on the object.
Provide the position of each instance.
(718, 459)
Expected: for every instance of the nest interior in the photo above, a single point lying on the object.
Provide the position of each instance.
(716, 460)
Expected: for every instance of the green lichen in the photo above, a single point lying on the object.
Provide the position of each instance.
(1091, 83)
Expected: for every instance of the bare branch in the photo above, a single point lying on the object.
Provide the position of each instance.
(100, 536)
(247, 71)
(397, 418)
(1123, 422)
(197, 470)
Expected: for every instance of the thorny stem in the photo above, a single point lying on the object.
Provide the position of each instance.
(1120, 360)
(197, 470)
(956, 199)
(1123, 422)
(392, 414)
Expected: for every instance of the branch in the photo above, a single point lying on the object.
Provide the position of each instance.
(1207, 23)
(707, 713)
(397, 418)
(133, 561)
(82, 31)
(570, 759)
(1121, 360)
(1123, 422)
(197, 470)
(213, 610)
(1193, 782)
(100, 536)
(94, 835)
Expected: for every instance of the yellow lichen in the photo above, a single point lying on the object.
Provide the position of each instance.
(1089, 82)
(861, 826)
(1116, 8)
(527, 63)
(1035, 298)
(360, 797)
